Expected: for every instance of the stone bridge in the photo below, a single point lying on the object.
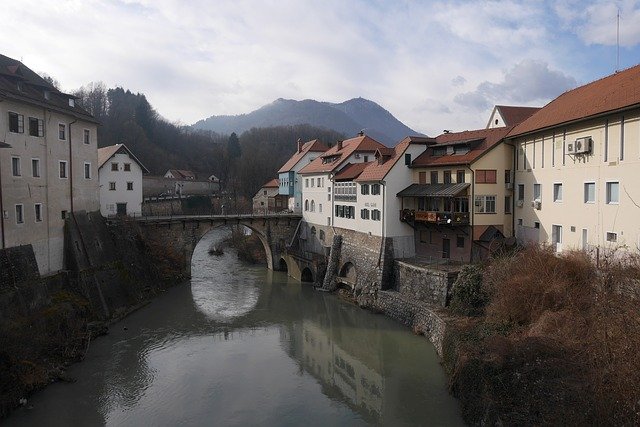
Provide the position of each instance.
(183, 232)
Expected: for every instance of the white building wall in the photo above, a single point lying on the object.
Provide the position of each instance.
(110, 198)
(49, 190)
(295, 202)
(319, 196)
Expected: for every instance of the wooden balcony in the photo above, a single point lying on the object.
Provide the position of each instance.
(434, 217)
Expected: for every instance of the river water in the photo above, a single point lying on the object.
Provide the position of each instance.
(242, 346)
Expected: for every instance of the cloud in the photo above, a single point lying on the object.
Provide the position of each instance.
(527, 82)
(458, 81)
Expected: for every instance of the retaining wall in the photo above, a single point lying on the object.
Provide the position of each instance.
(429, 285)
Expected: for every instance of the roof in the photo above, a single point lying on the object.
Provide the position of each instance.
(377, 170)
(105, 153)
(483, 139)
(512, 115)
(309, 146)
(4, 145)
(274, 183)
(611, 93)
(33, 88)
(182, 174)
(433, 190)
(351, 171)
(357, 144)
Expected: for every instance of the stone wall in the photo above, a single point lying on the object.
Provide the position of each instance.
(418, 316)
(162, 207)
(429, 285)
(17, 265)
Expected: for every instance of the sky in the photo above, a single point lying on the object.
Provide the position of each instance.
(434, 65)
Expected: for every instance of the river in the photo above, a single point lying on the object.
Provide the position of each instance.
(242, 346)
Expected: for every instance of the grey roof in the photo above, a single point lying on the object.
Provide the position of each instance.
(434, 190)
(4, 145)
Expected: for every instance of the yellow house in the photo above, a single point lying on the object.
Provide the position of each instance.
(578, 167)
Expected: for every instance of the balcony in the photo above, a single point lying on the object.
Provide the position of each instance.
(345, 197)
(434, 217)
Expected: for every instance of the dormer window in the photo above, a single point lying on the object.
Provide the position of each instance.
(72, 102)
(439, 151)
(20, 86)
(47, 95)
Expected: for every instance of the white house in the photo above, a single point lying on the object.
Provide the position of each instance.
(47, 165)
(120, 177)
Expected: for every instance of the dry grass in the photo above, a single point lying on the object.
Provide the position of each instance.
(551, 311)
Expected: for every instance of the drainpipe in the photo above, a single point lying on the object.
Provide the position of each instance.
(514, 191)
(71, 170)
(1, 208)
(383, 219)
(472, 202)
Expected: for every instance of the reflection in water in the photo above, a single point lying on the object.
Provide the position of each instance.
(245, 346)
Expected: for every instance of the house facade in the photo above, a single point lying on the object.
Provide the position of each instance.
(268, 200)
(290, 183)
(577, 168)
(49, 168)
(460, 197)
(120, 177)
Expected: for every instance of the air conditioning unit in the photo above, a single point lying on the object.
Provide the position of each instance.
(537, 204)
(571, 148)
(519, 203)
(582, 145)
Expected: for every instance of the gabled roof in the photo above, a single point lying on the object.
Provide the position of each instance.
(309, 146)
(378, 169)
(512, 115)
(483, 140)
(338, 155)
(105, 153)
(33, 88)
(433, 190)
(274, 183)
(350, 172)
(615, 92)
(182, 174)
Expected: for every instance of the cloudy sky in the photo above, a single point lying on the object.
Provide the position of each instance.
(433, 64)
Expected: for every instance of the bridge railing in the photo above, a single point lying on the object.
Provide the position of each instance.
(137, 216)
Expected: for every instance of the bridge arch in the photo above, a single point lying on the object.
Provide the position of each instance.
(307, 275)
(348, 274)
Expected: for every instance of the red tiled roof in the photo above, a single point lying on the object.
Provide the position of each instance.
(377, 170)
(488, 137)
(351, 171)
(611, 93)
(512, 115)
(314, 146)
(274, 183)
(357, 144)
(105, 153)
(182, 174)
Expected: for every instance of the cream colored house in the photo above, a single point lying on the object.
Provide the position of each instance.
(50, 166)
(120, 178)
(578, 167)
(460, 198)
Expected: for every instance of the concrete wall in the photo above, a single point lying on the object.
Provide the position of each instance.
(48, 189)
(110, 198)
(429, 285)
(542, 159)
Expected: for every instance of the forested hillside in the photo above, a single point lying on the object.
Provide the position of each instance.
(243, 163)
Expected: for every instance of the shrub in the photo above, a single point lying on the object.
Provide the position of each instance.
(468, 296)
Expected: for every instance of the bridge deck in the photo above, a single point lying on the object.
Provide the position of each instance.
(224, 218)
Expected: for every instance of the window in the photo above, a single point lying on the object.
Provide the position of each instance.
(375, 189)
(63, 169)
(375, 215)
(521, 192)
(63, 214)
(114, 167)
(313, 206)
(38, 211)
(422, 177)
(62, 131)
(312, 182)
(486, 176)
(612, 237)
(321, 235)
(264, 192)
(112, 186)
(320, 207)
(306, 183)
(306, 204)
(460, 241)
(485, 204)
(318, 182)
(557, 192)
(35, 168)
(537, 192)
(613, 193)
(328, 197)
(36, 127)
(16, 123)
(127, 167)
(366, 159)
(407, 159)
(313, 231)
(589, 192)
(434, 177)
(19, 214)
(364, 189)
(86, 136)
(364, 213)
(507, 204)
(460, 176)
(87, 170)
(447, 177)
(129, 186)
(15, 166)
(507, 176)
(556, 235)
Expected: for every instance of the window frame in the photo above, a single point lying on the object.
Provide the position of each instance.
(608, 193)
(556, 186)
(483, 176)
(88, 175)
(35, 172)
(39, 127)
(375, 189)
(62, 131)
(61, 169)
(19, 124)
(16, 167)
(484, 200)
(86, 136)
(585, 193)
(20, 217)
(37, 212)
(112, 186)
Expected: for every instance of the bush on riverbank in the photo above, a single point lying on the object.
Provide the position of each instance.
(558, 342)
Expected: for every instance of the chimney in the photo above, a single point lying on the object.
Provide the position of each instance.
(361, 133)
(299, 145)
(339, 144)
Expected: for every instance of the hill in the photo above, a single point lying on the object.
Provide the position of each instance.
(348, 118)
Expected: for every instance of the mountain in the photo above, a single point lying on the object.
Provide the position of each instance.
(348, 117)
